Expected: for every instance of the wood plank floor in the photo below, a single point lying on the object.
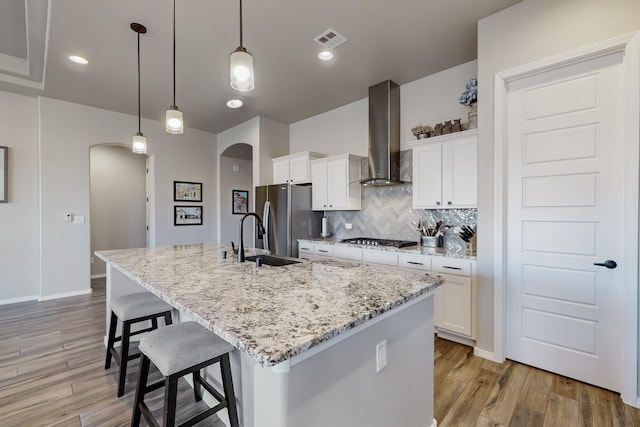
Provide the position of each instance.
(52, 374)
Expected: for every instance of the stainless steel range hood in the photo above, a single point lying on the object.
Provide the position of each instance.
(384, 134)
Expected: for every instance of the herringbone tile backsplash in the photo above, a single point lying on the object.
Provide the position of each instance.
(387, 213)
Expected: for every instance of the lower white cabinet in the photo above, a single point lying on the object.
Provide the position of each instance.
(376, 258)
(455, 300)
(345, 253)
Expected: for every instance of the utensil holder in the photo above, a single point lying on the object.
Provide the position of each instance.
(430, 241)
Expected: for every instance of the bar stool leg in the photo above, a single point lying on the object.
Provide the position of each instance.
(167, 318)
(197, 386)
(227, 383)
(113, 325)
(124, 356)
(140, 390)
(170, 397)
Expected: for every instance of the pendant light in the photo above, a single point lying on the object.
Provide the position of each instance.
(139, 144)
(174, 123)
(241, 65)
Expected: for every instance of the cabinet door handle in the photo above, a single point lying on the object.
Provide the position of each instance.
(305, 249)
(449, 203)
(451, 268)
(322, 250)
(330, 206)
(414, 263)
(438, 203)
(324, 206)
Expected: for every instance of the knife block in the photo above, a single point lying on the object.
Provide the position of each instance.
(471, 245)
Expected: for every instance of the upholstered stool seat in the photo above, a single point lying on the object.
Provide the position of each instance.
(131, 309)
(179, 350)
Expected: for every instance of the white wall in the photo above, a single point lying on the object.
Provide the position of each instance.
(67, 131)
(428, 100)
(118, 207)
(268, 138)
(19, 263)
(529, 31)
(229, 181)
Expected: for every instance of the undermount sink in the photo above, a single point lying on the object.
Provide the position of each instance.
(273, 261)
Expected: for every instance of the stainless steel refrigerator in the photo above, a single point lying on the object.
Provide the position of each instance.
(287, 216)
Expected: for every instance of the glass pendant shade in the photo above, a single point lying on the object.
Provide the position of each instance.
(241, 70)
(174, 123)
(139, 144)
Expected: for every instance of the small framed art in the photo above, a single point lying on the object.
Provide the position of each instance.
(187, 215)
(187, 191)
(240, 201)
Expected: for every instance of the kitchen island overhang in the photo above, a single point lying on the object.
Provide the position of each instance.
(288, 321)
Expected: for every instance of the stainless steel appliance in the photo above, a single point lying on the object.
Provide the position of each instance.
(287, 216)
(369, 241)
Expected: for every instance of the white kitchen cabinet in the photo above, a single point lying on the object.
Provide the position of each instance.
(347, 253)
(414, 262)
(377, 258)
(445, 171)
(306, 251)
(294, 168)
(336, 183)
(323, 251)
(455, 306)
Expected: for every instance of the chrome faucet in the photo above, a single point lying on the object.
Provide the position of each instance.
(261, 232)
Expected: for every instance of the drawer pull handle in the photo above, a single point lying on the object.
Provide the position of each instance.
(451, 268)
(414, 263)
(305, 249)
(322, 250)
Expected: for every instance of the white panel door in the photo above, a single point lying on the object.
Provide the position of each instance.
(565, 213)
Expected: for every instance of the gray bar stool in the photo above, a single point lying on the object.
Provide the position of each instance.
(131, 309)
(179, 350)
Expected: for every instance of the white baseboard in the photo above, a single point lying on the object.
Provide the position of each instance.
(99, 276)
(65, 295)
(16, 300)
(485, 354)
(455, 338)
(434, 423)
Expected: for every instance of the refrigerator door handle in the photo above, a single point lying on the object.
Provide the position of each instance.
(266, 221)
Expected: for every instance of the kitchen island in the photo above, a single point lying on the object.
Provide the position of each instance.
(307, 334)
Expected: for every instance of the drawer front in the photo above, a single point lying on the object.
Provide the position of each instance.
(444, 265)
(414, 262)
(323, 250)
(351, 254)
(380, 258)
(305, 248)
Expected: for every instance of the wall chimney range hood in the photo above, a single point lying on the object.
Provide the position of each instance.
(384, 135)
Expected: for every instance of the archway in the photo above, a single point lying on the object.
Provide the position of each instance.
(118, 205)
(236, 173)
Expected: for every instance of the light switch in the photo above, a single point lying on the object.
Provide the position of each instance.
(78, 219)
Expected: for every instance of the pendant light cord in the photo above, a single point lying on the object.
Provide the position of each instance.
(174, 52)
(139, 127)
(241, 45)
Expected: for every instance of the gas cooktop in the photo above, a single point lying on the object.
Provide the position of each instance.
(369, 241)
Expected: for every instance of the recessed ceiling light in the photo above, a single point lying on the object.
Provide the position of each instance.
(234, 103)
(78, 59)
(325, 55)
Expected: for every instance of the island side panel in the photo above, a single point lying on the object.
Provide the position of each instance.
(340, 387)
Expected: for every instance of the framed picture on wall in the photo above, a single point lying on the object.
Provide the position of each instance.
(187, 191)
(4, 162)
(187, 215)
(240, 201)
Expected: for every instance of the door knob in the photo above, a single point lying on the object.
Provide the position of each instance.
(608, 263)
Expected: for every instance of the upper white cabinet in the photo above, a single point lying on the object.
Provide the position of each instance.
(294, 168)
(336, 183)
(445, 171)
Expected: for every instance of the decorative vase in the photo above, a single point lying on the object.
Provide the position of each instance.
(473, 116)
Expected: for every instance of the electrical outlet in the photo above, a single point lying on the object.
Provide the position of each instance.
(348, 226)
(381, 355)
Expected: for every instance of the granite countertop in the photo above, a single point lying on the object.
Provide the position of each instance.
(270, 313)
(417, 249)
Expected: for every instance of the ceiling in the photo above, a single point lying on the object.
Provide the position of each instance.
(402, 41)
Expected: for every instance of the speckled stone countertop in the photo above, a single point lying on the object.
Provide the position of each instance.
(270, 313)
(417, 249)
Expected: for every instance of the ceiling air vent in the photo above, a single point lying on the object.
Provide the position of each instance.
(330, 39)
